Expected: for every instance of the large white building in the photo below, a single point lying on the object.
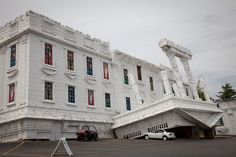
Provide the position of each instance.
(55, 79)
(228, 121)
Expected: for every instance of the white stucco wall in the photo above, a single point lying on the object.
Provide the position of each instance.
(229, 117)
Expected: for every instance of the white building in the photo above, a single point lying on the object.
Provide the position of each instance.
(229, 117)
(55, 79)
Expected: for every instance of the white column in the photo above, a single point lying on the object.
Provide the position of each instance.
(166, 83)
(174, 66)
(189, 76)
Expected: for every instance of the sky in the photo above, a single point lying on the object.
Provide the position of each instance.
(206, 27)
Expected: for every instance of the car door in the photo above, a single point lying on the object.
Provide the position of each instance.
(159, 134)
(152, 135)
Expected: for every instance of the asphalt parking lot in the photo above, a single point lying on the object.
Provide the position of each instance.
(218, 147)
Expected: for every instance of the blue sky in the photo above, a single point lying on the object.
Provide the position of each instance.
(206, 27)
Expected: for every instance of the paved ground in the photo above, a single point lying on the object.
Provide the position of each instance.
(219, 147)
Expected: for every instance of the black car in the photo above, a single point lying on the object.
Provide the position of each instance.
(88, 133)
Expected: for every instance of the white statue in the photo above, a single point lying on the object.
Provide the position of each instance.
(202, 87)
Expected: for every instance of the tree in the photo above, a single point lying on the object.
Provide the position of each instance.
(227, 92)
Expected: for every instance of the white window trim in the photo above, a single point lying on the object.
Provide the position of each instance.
(126, 103)
(104, 96)
(109, 71)
(14, 102)
(9, 56)
(90, 106)
(67, 99)
(85, 64)
(53, 92)
(53, 66)
(75, 61)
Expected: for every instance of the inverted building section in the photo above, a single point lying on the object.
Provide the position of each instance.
(169, 113)
(55, 79)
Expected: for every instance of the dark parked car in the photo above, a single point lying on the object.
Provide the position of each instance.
(88, 133)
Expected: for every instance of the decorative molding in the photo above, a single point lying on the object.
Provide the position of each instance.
(24, 40)
(90, 79)
(70, 74)
(69, 35)
(13, 28)
(48, 101)
(48, 27)
(11, 104)
(12, 72)
(107, 83)
(3, 50)
(166, 44)
(130, 59)
(49, 70)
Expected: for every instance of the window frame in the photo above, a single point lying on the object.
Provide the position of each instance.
(49, 61)
(10, 56)
(128, 103)
(69, 96)
(68, 61)
(9, 93)
(151, 83)
(44, 94)
(126, 77)
(106, 74)
(89, 70)
(107, 105)
(139, 72)
(91, 102)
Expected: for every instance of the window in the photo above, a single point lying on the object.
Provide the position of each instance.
(48, 54)
(151, 83)
(187, 92)
(105, 71)
(90, 97)
(126, 78)
(139, 72)
(70, 60)
(172, 88)
(128, 105)
(48, 90)
(164, 90)
(108, 100)
(71, 94)
(11, 95)
(89, 66)
(13, 56)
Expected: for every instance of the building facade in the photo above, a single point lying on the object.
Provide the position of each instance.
(55, 79)
(228, 122)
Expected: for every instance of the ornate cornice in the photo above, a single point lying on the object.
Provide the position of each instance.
(170, 46)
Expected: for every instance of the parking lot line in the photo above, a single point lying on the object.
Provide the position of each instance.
(13, 149)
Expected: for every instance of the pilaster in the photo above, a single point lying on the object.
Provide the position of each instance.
(174, 66)
(188, 72)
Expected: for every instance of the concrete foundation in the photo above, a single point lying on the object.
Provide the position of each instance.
(48, 129)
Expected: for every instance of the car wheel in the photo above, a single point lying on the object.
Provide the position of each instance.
(164, 138)
(96, 138)
(86, 139)
(146, 137)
